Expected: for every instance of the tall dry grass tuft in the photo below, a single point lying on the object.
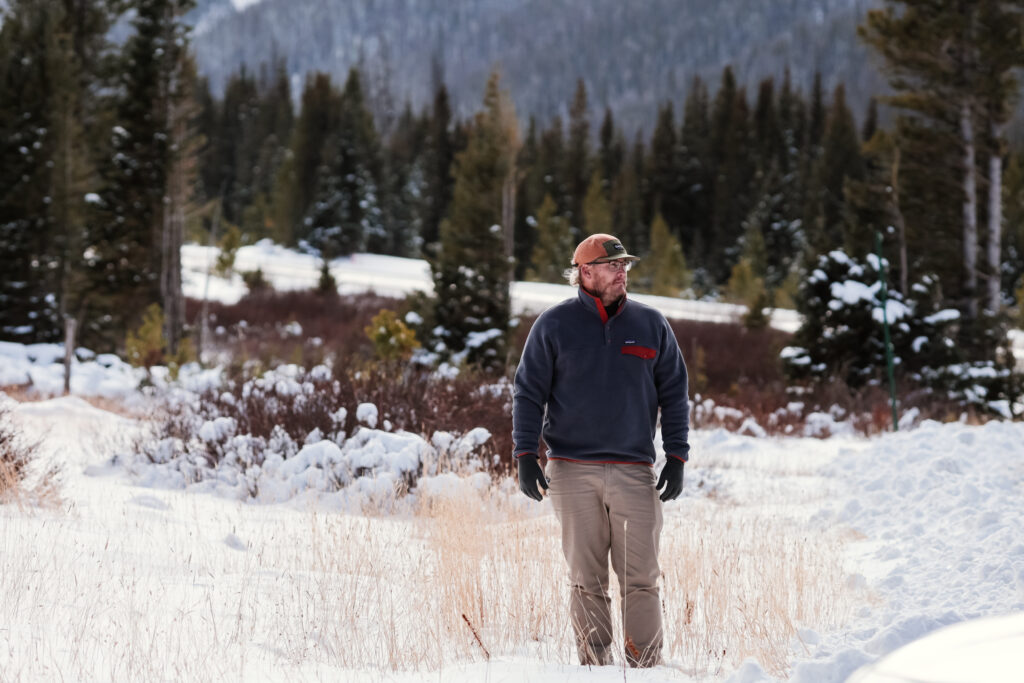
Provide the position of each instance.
(21, 480)
(740, 586)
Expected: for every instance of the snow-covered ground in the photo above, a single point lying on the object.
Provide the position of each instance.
(134, 576)
(122, 577)
(393, 276)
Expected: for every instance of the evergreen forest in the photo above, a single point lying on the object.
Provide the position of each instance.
(116, 152)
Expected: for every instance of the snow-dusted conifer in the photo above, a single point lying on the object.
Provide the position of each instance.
(471, 271)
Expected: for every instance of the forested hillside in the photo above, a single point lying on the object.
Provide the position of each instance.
(775, 189)
(633, 55)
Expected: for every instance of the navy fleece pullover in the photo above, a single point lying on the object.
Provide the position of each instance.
(592, 384)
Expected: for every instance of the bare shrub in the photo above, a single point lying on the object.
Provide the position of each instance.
(243, 423)
(255, 330)
(737, 369)
(18, 482)
(14, 457)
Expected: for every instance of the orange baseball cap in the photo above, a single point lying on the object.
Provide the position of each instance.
(600, 248)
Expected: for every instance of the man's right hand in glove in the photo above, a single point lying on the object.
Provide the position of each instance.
(530, 474)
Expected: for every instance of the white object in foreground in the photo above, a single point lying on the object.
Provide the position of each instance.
(989, 649)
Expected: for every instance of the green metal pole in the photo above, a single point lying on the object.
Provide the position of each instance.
(885, 329)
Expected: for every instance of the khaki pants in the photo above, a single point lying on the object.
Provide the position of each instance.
(610, 509)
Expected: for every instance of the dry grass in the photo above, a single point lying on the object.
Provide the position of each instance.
(23, 480)
(181, 587)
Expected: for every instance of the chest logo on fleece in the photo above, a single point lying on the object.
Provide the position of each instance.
(631, 348)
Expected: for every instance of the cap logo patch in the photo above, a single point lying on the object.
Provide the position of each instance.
(613, 247)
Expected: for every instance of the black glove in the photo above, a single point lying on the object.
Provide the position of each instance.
(529, 474)
(671, 478)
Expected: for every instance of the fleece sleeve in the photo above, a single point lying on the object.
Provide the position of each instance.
(671, 382)
(530, 390)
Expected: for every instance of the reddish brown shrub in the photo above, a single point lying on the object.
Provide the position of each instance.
(257, 327)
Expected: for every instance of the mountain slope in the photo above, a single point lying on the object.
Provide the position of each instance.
(632, 56)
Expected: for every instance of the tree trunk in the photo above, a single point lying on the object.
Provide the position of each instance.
(995, 221)
(173, 227)
(970, 207)
(69, 351)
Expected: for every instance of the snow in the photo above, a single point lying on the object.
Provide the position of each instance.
(367, 414)
(394, 276)
(144, 570)
(990, 649)
(933, 511)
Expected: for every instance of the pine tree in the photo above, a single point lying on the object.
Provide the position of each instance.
(872, 203)
(767, 134)
(52, 65)
(1000, 44)
(77, 58)
(773, 223)
(867, 131)
(663, 270)
(840, 161)
(696, 180)
(813, 219)
(1013, 237)
(841, 336)
(471, 272)
(261, 125)
(733, 174)
(941, 66)
(627, 202)
(126, 232)
(403, 185)
(664, 173)
(439, 155)
(346, 214)
(597, 214)
(952, 68)
(529, 196)
(611, 150)
(237, 143)
(314, 138)
(553, 245)
(577, 161)
(27, 312)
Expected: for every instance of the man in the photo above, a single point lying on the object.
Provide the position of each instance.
(594, 372)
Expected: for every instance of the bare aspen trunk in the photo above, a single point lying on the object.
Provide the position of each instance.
(173, 226)
(970, 211)
(69, 351)
(995, 224)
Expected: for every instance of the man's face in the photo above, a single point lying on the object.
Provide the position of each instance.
(607, 281)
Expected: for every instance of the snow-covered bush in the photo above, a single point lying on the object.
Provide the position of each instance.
(271, 437)
(843, 338)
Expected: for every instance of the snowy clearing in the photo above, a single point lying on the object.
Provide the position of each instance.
(875, 542)
(797, 559)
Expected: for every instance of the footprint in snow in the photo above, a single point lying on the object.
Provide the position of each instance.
(151, 502)
(235, 543)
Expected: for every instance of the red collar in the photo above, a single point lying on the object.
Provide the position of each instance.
(600, 306)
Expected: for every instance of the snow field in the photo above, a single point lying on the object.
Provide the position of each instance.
(128, 583)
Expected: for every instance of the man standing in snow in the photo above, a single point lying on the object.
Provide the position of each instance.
(595, 370)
